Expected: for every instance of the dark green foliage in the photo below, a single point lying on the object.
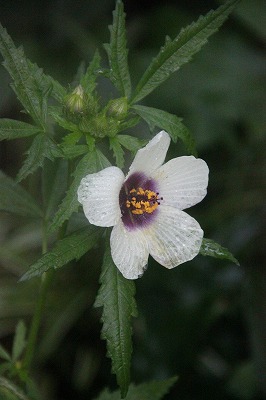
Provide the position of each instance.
(154, 390)
(16, 200)
(117, 52)
(170, 123)
(179, 51)
(72, 247)
(212, 249)
(116, 296)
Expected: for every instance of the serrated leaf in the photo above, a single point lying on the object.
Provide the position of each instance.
(213, 249)
(115, 146)
(19, 341)
(71, 152)
(71, 247)
(9, 391)
(15, 199)
(67, 125)
(170, 123)
(117, 52)
(179, 51)
(12, 129)
(54, 185)
(42, 147)
(131, 143)
(129, 123)
(88, 81)
(154, 390)
(90, 163)
(4, 354)
(72, 138)
(25, 83)
(116, 296)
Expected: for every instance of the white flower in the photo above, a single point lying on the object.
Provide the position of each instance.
(145, 207)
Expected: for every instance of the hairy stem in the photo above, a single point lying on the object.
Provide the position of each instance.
(46, 280)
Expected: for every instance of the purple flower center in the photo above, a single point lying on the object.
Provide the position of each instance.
(138, 200)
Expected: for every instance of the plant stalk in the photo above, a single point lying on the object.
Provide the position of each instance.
(46, 280)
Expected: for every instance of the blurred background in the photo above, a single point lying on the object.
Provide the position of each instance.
(206, 320)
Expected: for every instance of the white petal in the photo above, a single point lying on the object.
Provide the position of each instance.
(99, 195)
(152, 156)
(182, 181)
(129, 251)
(174, 237)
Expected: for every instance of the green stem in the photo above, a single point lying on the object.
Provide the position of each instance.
(36, 321)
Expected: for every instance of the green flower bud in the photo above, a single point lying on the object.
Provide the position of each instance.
(76, 102)
(117, 108)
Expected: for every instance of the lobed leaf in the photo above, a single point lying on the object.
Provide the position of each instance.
(90, 163)
(71, 247)
(25, 81)
(64, 123)
(131, 143)
(168, 122)
(117, 52)
(116, 296)
(213, 249)
(179, 51)
(15, 199)
(118, 152)
(12, 129)
(42, 147)
(88, 81)
(19, 341)
(46, 82)
(154, 390)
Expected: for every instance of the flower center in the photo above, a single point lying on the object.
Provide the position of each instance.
(140, 201)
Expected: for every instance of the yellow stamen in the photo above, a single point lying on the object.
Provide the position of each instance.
(143, 201)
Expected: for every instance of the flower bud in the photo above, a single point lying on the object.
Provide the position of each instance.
(118, 108)
(76, 102)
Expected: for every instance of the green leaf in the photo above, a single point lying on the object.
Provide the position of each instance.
(117, 52)
(4, 354)
(8, 391)
(118, 152)
(58, 91)
(179, 51)
(15, 199)
(25, 82)
(90, 163)
(12, 129)
(170, 123)
(42, 147)
(212, 249)
(67, 125)
(71, 247)
(88, 81)
(70, 152)
(131, 143)
(19, 341)
(54, 185)
(129, 123)
(154, 390)
(116, 296)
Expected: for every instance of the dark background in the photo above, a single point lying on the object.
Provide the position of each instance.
(206, 320)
